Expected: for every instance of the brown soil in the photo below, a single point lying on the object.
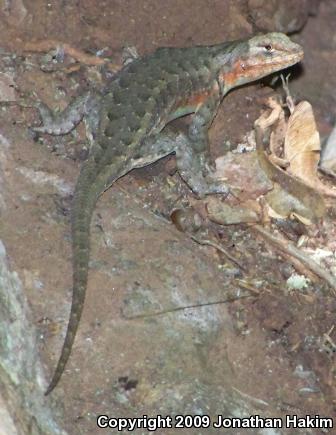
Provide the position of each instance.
(269, 346)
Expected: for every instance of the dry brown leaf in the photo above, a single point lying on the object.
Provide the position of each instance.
(278, 132)
(302, 147)
(290, 195)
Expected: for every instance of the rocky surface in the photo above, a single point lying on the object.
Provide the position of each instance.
(138, 351)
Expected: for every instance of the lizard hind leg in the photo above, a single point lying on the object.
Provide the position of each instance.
(193, 166)
(63, 122)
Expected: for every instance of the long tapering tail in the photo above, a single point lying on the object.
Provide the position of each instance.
(85, 198)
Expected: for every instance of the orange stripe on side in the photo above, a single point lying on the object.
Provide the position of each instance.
(198, 98)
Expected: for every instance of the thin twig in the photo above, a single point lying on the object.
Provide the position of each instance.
(221, 249)
(248, 287)
(291, 250)
(76, 53)
(289, 98)
(253, 399)
(187, 307)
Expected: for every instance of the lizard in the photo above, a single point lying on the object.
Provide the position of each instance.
(126, 121)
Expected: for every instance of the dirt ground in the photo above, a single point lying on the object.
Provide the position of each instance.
(270, 347)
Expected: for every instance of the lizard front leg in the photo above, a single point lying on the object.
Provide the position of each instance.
(192, 156)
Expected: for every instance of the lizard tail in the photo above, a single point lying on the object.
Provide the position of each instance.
(85, 198)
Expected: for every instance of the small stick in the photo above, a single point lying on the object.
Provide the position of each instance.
(79, 55)
(289, 98)
(186, 307)
(288, 248)
(221, 249)
(253, 399)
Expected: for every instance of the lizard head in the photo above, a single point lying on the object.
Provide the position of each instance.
(258, 57)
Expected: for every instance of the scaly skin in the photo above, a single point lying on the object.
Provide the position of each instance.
(126, 121)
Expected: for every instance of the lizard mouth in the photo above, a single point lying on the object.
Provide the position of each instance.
(286, 60)
(242, 72)
(260, 70)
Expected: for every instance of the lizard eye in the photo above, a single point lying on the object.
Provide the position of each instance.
(269, 48)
